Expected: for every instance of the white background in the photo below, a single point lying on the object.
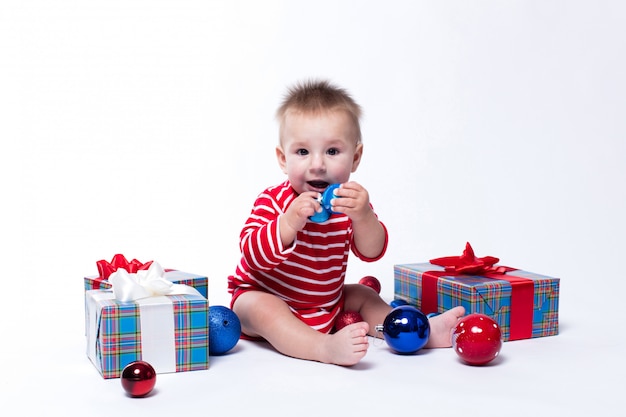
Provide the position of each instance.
(147, 128)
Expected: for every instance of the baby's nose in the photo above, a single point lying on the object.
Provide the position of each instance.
(318, 163)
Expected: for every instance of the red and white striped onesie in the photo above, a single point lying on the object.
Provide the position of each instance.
(309, 275)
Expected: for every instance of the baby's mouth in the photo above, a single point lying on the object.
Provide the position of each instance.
(318, 185)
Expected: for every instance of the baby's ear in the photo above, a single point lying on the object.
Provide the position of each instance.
(356, 159)
(282, 160)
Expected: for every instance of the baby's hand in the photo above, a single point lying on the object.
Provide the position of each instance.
(303, 207)
(354, 201)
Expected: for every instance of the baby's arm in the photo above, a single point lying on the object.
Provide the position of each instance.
(260, 242)
(296, 216)
(268, 236)
(368, 233)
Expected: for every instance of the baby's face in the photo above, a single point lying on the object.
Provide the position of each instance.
(317, 150)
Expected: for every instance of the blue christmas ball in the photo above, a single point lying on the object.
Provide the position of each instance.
(320, 217)
(328, 195)
(324, 201)
(224, 330)
(406, 329)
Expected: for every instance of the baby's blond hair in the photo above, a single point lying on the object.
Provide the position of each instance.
(317, 96)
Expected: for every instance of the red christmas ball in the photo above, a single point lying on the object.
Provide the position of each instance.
(346, 318)
(138, 378)
(477, 339)
(371, 282)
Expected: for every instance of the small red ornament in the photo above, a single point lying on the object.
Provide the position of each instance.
(477, 339)
(346, 318)
(138, 378)
(371, 282)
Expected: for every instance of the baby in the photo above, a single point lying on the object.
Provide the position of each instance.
(289, 286)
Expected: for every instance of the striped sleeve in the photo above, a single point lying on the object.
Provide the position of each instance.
(382, 252)
(261, 246)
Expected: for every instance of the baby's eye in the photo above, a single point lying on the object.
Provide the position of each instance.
(302, 152)
(333, 151)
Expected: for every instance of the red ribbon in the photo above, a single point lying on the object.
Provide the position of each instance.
(105, 268)
(522, 289)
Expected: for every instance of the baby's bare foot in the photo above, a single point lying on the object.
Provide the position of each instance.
(441, 327)
(348, 346)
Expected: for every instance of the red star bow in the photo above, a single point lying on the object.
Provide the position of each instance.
(467, 263)
(105, 268)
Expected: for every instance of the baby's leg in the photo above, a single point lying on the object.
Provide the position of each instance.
(265, 315)
(374, 310)
(367, 302)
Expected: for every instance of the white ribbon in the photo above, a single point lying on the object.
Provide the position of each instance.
(144, 284)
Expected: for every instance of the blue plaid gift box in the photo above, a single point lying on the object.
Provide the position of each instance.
(479, 294)
(147, 314)
(169, 332)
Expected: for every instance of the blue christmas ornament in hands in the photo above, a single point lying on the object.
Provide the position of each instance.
(324, 201)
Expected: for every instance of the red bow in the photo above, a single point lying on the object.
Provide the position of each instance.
(467, 263)
(105, 268)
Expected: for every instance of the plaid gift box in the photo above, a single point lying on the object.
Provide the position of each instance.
(170, 332)
(524, 304)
